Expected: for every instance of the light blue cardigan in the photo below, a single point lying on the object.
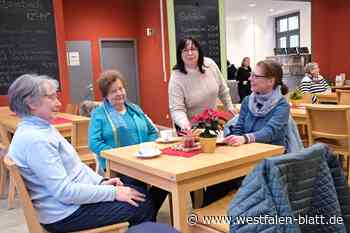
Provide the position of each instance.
(101, 135)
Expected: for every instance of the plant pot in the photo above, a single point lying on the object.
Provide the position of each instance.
(208, 145)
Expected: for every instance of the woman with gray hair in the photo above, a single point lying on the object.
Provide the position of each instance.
(313, 82)
(66, 194)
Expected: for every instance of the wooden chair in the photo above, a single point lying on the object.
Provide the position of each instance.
(330, 124)
(343, 96)
(72, 109)
(30, 214)
(5, 142)
(79, 140)
(218, 208)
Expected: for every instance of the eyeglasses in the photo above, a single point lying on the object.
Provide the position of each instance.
(192, 50)
(52, 96)
(256, 76)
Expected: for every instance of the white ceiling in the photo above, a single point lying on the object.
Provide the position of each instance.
(239, 9)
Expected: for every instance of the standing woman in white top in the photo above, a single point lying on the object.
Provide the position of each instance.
(195, 85)
(313, 82)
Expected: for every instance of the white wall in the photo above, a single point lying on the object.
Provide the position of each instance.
(254, 36)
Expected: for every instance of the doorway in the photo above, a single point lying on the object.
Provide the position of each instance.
(121, 54)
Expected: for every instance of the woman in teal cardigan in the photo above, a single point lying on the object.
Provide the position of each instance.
(118, 123)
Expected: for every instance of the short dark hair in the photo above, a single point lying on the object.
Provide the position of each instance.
(180, 65)
(273, 70)
(107, 78)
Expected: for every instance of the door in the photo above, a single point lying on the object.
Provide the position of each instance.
(80, 71)
(121, 55)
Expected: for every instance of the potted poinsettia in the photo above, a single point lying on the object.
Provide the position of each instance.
(211, 121)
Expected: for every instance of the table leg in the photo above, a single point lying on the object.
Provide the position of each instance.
(180, 209)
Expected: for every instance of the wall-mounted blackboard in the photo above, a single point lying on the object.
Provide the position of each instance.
(27, 40)
(200, 20)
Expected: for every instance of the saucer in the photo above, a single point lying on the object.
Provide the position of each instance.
(154, 153)
(170, 140)
(220, 140)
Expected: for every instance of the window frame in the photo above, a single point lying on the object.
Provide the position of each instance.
(287, 33)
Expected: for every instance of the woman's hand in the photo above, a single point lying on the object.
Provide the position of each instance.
(129, 195)
(113, 181)
(234, 140)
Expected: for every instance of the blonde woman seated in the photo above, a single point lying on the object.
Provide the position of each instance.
(263, 118)
(313, 82)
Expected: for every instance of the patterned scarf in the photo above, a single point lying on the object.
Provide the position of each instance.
(262, 104)
(113, 114)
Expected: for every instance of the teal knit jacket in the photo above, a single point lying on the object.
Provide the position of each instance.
(101, 135)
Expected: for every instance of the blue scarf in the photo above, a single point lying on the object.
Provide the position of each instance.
(114, 115)
(261, 104)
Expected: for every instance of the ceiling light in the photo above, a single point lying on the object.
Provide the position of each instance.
(252, 5)
(271, 10)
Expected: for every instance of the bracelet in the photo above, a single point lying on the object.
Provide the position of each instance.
(103, 180)
(246, 139)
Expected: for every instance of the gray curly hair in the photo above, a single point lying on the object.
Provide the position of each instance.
(28, 87)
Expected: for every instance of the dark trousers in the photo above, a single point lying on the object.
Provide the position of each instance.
(105, 213)
(156, 194)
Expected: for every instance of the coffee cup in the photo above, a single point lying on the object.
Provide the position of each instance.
(147, 148)
(166, 135)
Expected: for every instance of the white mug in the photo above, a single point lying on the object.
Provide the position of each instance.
(147, 148)
(166, 135)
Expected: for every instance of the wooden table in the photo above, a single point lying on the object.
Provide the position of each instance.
(10, 121)
(180, 175)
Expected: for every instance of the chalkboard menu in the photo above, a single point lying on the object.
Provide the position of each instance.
(27, 40)
(199, 19)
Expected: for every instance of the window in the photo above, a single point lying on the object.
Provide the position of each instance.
(288, 31)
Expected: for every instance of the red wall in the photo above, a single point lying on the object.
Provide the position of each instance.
(331, 36)
(93, 20)
(154, 94)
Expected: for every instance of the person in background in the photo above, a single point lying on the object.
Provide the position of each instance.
(313, 82)
(195, 85)
(66, 194)
(263, 118)
(118, 122)
(86, 107)
(243, 75)
(231, 71)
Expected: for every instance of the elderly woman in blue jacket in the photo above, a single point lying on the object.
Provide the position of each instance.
(118, 122)
(263, 118)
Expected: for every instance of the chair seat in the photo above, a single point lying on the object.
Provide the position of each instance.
(338, 146)
(218, 208)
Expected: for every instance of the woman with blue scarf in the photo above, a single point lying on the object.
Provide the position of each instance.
(263, 118)
(118, 123)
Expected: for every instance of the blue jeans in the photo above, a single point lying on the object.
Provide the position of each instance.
(105, 213)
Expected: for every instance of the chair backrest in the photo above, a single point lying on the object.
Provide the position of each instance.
(306, 98)
(79, 138)
(328, 121)
(28, 209)
(72, 109)
(4, 136)
(343, 96)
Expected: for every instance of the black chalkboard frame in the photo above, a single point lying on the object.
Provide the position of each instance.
(173, 39)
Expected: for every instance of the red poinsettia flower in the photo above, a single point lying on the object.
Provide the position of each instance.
(210, 120)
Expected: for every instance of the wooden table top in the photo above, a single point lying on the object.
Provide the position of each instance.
(10, 121)
(178, 168)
